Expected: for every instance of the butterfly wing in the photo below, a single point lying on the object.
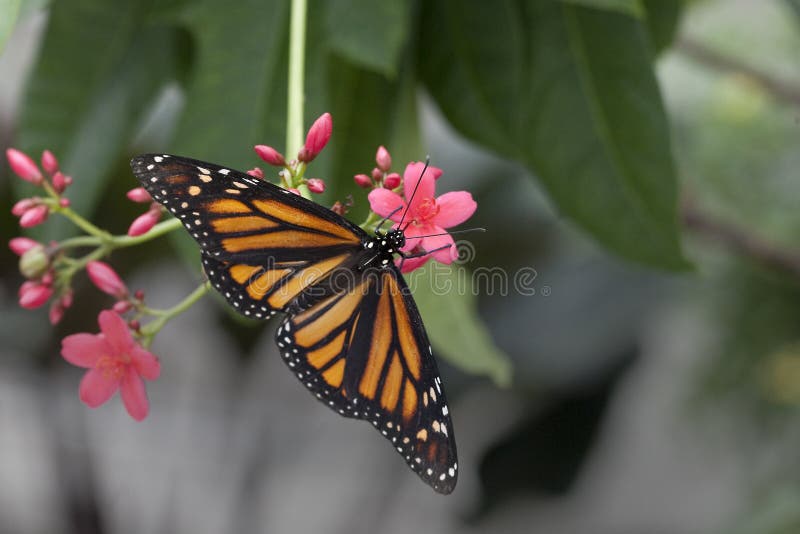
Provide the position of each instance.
(261, 244)
(364, 353)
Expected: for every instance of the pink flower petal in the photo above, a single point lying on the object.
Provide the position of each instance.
(134, 395)
(116, 332)
(145, 363)
(383, 202)
(426, 189)
(411, 263)
(454, 208)
(446, 255)
(412, 234)
(97, 387)
(84, 349)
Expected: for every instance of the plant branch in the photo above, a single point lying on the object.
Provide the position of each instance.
(781, 90)
(740, 241)
(296, 84)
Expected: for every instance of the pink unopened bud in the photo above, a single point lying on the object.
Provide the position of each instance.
(47, 278)
(139, 194)
(59, 182)
(391, 181)
(318, 136)
(106, 279)
(255, 172)
(66, 298)
(295, 191)
(64, 202)
(22, 206)
(338, 208)
(144, 222)
(383, 159)
(56, 312)
(270, 155)
(362, 180)
(134, 325)
(23, 166)
(34, 294)
(121, 306)
(35, 215)
(139, 294)
(21, 245)
(315, 185)
(376, 174)
(49, 162)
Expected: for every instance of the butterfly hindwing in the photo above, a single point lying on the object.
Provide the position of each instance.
(261, 244)
(365, 354)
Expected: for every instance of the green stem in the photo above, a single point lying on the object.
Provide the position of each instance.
(82, 223)
(297, 60)
(80, 241)
(151, 329)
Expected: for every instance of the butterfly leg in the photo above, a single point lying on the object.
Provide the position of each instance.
(405, 256)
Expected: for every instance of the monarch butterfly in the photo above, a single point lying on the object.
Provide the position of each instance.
(357, 341)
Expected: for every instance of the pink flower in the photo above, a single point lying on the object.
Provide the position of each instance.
(115, 361)
(315, 185)
(270, 155)
(34, 216)
(106, 279)
(49, 162)
(426, 214)
(34, 294)
(23, 166)
(139, 194)
(144, 222)
(318, 136)
(383, 159)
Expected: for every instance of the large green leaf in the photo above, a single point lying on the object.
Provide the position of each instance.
(628, 7)
(368, 33)
(662, 21)
(570, 92)
(448, 305)
(9, 10)
(89, 88)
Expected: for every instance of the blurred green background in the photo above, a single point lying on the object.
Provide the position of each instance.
(637, 157)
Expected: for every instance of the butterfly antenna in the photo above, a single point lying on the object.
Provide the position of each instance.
(453, 232)
(414, 192)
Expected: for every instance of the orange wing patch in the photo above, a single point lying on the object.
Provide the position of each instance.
(381, 339)
(322, 356)
(298, 217)
(247, 223)
(393, 384)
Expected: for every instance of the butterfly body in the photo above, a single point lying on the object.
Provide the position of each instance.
(351, 334)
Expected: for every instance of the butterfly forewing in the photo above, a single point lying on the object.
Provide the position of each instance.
(364, 353)
(261, 244)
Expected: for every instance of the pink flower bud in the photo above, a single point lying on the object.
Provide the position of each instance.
(21, 245)
(338, 208)
(139, 194)
(376, 174)
(255, 172)
(134, 325)
(59, 182)
(22, 206)
(121, 306)
(64, 202)
(23, 166)
(35, 215)
(270, 155)
(139, 294)
(391, 181)
(383, 159)
(295, 191)
(315, 185)
(49, 162)
(66, 299)
(34, 294)
(106, 279)
(47, 278)
(318, 136)
(56, 312)
(144, 222)
(362, 180)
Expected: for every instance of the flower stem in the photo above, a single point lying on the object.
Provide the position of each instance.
(152, 328)
(296, 83)
(82, 223)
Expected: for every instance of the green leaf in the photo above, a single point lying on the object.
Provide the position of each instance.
(9, 10)
(369, 34)
(794, 5)
(570, 92)
(234, 99)
(89, 89)
(628, 7)
(662, 21)
(447, 302)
